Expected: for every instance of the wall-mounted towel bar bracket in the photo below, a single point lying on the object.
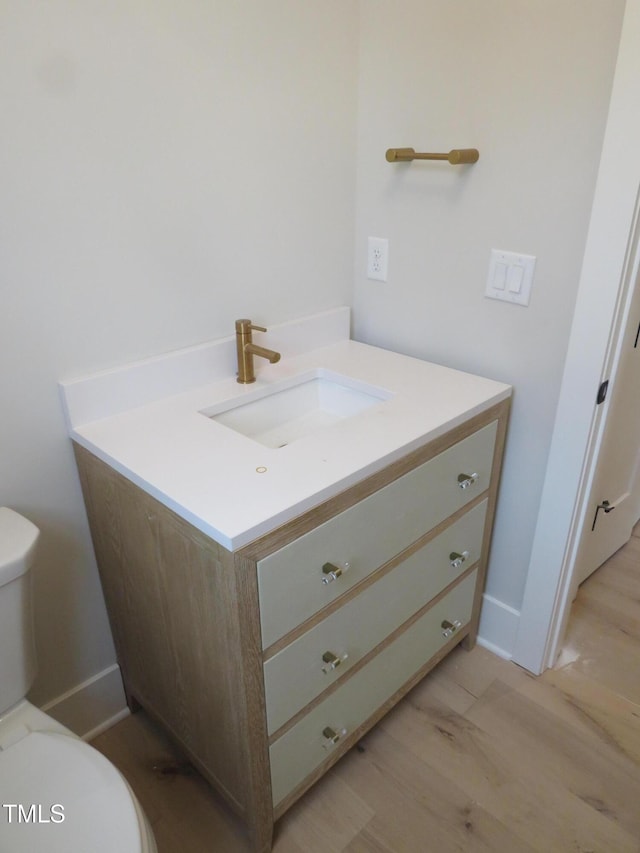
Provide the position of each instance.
(456, 156)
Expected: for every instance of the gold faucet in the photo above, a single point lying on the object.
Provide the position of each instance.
(246, 350)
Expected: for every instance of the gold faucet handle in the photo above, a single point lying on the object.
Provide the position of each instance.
(244, 326)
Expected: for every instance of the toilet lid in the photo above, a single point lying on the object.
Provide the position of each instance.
(59, 795)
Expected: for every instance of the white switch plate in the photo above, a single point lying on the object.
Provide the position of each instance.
(378, 258)
(510, 277)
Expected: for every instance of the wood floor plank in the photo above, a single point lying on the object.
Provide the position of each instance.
(475, 671)
(604, 712)
(185, 815)
(615, 598)
(335, 815)
(542, 812)
(367, 842)
(600, 776)
(415, 803)
(602, 651)
(459, 679)
(621, 572)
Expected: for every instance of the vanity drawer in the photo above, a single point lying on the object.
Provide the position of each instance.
(298, 673)
(304, 747)
(291, 583)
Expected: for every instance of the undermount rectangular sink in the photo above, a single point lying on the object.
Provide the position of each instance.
(286, 414)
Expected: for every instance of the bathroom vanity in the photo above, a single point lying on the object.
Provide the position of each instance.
(270, 604)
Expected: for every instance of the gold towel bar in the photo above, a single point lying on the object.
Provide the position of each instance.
(455, 157)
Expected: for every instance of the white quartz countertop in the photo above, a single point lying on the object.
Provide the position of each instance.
(235, 489)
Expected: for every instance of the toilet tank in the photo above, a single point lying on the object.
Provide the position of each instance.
(18, 539)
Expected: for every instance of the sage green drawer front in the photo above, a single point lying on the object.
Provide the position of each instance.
(302, 670)
(305, 746)
(368, 534)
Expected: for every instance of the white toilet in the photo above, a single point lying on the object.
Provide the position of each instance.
(57, 793)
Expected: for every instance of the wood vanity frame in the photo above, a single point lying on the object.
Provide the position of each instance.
(186, 621)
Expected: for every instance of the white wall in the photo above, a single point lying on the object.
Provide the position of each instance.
(528, 84)
(165, 168)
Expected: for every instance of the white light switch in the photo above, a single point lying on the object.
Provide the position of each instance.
(500, 276)
(515, 278)
(510, 277)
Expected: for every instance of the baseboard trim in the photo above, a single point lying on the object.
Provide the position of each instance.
(498, 627)
(93, 706)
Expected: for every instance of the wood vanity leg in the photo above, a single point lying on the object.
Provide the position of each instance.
(249, 667)
(262, 837)
(132, 702)
(470, 640)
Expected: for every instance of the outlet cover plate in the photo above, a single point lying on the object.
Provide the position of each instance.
(378, 258)
(510, 277)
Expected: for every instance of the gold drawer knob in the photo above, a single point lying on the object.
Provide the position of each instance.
(466, 480)
(332, 661)
(449, 628)
(331, 736)
(331, 572)
(457, 560)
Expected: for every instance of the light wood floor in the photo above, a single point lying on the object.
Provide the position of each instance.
(479, 757)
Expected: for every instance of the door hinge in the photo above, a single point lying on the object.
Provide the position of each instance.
(602, 392)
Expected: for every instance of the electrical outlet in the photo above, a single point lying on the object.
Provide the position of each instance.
(378, 258)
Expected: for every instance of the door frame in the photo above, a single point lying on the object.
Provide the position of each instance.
(594, 342)
(630, 286)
